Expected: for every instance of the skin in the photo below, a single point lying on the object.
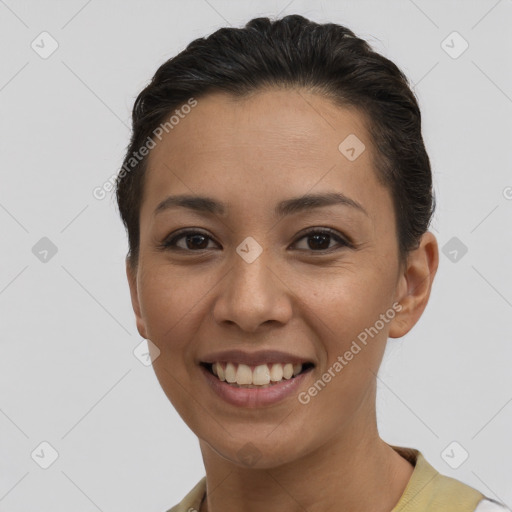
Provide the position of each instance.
(252, 153)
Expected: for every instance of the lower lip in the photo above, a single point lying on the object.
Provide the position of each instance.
(254, 397)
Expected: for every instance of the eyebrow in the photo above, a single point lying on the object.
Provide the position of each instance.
(207, 205)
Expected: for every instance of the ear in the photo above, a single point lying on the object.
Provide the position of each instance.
(415, 284)
(131, 274)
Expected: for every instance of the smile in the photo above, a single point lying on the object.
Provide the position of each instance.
(255, 376)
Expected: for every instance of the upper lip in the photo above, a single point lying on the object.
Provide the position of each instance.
(253, 358)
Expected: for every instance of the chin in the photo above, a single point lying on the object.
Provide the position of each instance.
(254, 453)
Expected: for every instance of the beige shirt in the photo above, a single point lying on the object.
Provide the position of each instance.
(427, 491)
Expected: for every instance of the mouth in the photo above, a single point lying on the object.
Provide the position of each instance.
(260, 376)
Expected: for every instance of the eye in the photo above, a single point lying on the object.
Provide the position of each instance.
(320, 239)
(193, 241)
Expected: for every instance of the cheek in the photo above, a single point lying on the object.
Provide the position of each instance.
(167, 300)
(345, 378)
(349, 304)
(170, 306)
(347, 320)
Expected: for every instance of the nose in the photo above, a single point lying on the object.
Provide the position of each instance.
(253, 294)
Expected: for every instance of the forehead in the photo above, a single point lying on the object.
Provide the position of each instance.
(281, 119)
(272, 143)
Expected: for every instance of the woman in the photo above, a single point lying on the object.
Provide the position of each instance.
(277, 196)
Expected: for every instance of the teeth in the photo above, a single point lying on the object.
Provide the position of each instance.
(243, 374)
(262, 375)
(276, 374)
(288, 371)
(230, 373)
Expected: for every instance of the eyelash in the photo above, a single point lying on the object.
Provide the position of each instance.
(170, 243)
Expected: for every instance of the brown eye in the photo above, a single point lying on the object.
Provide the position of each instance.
(317, 240)
(193, 241)
(321, 239)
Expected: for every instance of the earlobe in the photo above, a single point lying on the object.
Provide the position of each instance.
(131, 275)
(415, 285)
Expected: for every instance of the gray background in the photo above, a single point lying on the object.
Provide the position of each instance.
(68, 375)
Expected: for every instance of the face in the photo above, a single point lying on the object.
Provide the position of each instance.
(267, 271)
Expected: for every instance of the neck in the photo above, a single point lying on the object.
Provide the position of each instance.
(355, 471)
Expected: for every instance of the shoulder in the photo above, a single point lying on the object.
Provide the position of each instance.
(488, 505)
(428, 489)
(192, 501)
